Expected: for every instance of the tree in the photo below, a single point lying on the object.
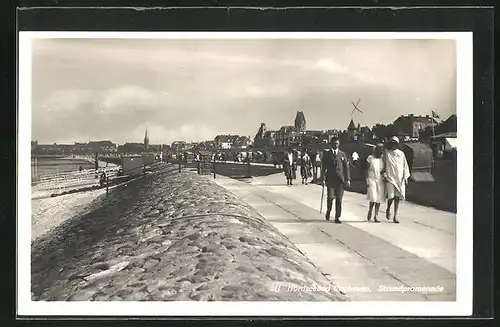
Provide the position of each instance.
(383, 132)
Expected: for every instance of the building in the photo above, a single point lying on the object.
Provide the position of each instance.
(259, 136)
(242, 142)
(411, 125)
(225, 141)
(365, 134)
(444, 145)
(190, 146)
(352, 130)
(300, 122)
(206, 145)
(131, 148)
(287, 136)
(100, 146)
(53, 149)
(450, 124)
(178, 146)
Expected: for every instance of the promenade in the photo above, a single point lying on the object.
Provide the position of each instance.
(360, 257)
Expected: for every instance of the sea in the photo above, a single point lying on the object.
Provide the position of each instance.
(46, 166)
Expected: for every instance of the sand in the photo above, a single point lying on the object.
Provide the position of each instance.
(48, 213)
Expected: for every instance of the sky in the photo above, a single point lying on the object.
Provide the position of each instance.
(193, 89)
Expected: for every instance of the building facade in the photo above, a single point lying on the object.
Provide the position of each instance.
(287, 136)
(225, 141)
(411, 125)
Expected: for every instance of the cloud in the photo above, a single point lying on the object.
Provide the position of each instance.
(131, 95)
(90, 89)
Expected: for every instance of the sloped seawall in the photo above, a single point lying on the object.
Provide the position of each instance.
(173, 236)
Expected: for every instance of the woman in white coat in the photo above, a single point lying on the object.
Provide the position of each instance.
(375, 184)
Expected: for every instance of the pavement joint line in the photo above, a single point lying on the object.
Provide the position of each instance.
(432, 227)
(259, 191)
(374, 264)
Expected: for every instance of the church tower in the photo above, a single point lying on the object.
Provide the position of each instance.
(300, 121)
(146, 140)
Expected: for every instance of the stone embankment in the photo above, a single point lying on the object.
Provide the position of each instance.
(172, 236)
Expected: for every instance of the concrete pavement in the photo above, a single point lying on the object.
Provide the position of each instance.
(359, 256)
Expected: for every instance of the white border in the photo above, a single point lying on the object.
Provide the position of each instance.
(464, 232)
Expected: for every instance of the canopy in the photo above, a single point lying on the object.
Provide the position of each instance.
(451, 142)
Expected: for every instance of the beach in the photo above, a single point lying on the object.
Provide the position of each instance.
(50, 212)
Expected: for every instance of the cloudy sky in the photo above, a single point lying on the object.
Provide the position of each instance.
(96, 89)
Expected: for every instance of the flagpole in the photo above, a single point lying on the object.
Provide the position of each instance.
(161, 147)
(432, 122)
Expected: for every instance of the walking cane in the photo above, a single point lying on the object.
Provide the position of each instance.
(322, 196)
(322, 189)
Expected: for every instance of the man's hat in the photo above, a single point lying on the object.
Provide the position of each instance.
(394, 139)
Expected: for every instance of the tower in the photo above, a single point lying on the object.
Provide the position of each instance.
(351, 130)
(300, 121)
(146, 140)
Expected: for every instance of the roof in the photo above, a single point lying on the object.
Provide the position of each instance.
(451, 118)
(100, 143)
(351, 125)
(448, 135)
(416, 118)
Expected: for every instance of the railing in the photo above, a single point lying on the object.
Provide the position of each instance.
(76, 174)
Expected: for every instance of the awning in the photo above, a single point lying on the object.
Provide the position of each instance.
(451, 142)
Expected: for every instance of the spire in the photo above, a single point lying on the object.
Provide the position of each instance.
(146, 139)
(351, 125)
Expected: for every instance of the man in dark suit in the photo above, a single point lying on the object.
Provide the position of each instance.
(335, 169)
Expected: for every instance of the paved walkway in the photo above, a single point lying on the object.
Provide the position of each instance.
(359, 256)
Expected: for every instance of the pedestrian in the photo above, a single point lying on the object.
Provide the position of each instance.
(288, 166)
(102, 180)
(336, 175)
(305, 167)
(375, 185)
(396, 174)
(317, 165)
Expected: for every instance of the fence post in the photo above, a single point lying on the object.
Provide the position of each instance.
(214, 168)
(199, 166)
(107, 184)
(249, 175)
(180, 166)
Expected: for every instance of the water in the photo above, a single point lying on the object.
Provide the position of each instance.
(46, 166)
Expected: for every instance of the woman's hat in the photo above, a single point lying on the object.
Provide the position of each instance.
(394, 139)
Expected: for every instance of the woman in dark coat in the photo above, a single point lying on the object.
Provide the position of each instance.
(289, 167)
(305, 167)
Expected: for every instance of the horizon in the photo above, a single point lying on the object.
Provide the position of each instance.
(208, 140)
(195, 89)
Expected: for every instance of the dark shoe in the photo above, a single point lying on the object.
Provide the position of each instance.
(337, 221)
(375, 220)
(327, 216)
(388, 215)
(369, 217)
(395, 221)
